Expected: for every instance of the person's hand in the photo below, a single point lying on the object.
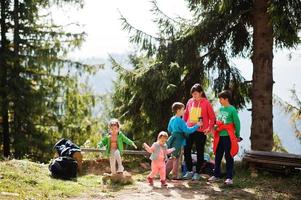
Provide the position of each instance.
(134, 146)
(144, 145)
(200, 124)
(207, 131)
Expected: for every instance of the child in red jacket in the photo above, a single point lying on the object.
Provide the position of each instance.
(226, 137)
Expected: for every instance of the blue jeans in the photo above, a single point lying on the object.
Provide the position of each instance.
(223, 147)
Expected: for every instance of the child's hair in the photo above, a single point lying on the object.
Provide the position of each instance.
(162, 134)
(226, 94)
(197, 88)
(114, 122)
(177, 106)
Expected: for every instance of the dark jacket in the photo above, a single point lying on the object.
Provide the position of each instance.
(65, 147)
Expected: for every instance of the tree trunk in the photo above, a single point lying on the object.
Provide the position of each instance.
(16, 132)
(262, 84)
(3, 79)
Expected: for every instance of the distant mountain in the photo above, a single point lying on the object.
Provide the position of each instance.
(282, 128)
(102, 81)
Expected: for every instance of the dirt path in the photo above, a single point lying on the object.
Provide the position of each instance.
(175, 190)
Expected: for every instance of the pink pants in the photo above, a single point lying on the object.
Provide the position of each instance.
(158, 166)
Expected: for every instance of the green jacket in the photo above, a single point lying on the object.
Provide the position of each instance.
(121, 138)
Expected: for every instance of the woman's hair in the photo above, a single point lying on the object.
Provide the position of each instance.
(226, 94)
(162, 134)
(177, 106)
(198, 88)
(114, 122)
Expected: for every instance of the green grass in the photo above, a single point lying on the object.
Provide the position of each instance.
(22, 179)
(33, 181)
(267, 185)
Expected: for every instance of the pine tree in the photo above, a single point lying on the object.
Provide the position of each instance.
(4, 71)
(252, 29)
(37, 75)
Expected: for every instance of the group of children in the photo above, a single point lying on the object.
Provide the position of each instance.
(226, 137)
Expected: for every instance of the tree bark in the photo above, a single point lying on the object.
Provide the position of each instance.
(3, 79)
(262, 84)
(16, 132)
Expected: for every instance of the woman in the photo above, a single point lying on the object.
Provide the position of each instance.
(198, 108)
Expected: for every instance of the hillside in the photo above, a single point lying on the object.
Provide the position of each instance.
(22, 179)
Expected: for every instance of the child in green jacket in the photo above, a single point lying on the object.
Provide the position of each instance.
(114, 145)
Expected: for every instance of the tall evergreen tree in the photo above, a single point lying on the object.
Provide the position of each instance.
(4, 54)
(37, 75)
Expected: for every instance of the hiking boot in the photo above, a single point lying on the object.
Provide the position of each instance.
(196, 177)
(150, 181)
(188, 176)
(229, 181)
(213, 179)
(163, 183)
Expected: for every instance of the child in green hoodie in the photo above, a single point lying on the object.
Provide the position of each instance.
(114, 145)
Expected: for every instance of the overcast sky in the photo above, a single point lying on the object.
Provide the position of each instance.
(105, 36)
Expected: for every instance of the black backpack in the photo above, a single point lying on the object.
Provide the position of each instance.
(63, 167)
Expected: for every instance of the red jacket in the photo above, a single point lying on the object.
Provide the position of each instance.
(206, 111)
(230, 129)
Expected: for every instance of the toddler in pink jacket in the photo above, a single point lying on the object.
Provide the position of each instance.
(158, 156)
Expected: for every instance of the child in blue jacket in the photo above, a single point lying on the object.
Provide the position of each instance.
(179, 130)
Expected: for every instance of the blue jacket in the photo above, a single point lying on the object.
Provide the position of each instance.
(179, 131)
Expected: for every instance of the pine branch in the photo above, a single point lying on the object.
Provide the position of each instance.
(169, 26)
(116, 66)
(147, 42)
(158, 12)
(127, 26)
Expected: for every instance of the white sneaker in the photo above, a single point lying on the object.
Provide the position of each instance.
(213, 179)
(188, 176)
(120, 169)
(229, 181)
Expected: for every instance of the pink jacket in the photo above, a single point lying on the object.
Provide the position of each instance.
(206, 112)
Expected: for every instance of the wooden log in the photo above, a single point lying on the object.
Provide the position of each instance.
(273, 160)
(122, 178)
(129, 152)
(281, 159)
(274, 154)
